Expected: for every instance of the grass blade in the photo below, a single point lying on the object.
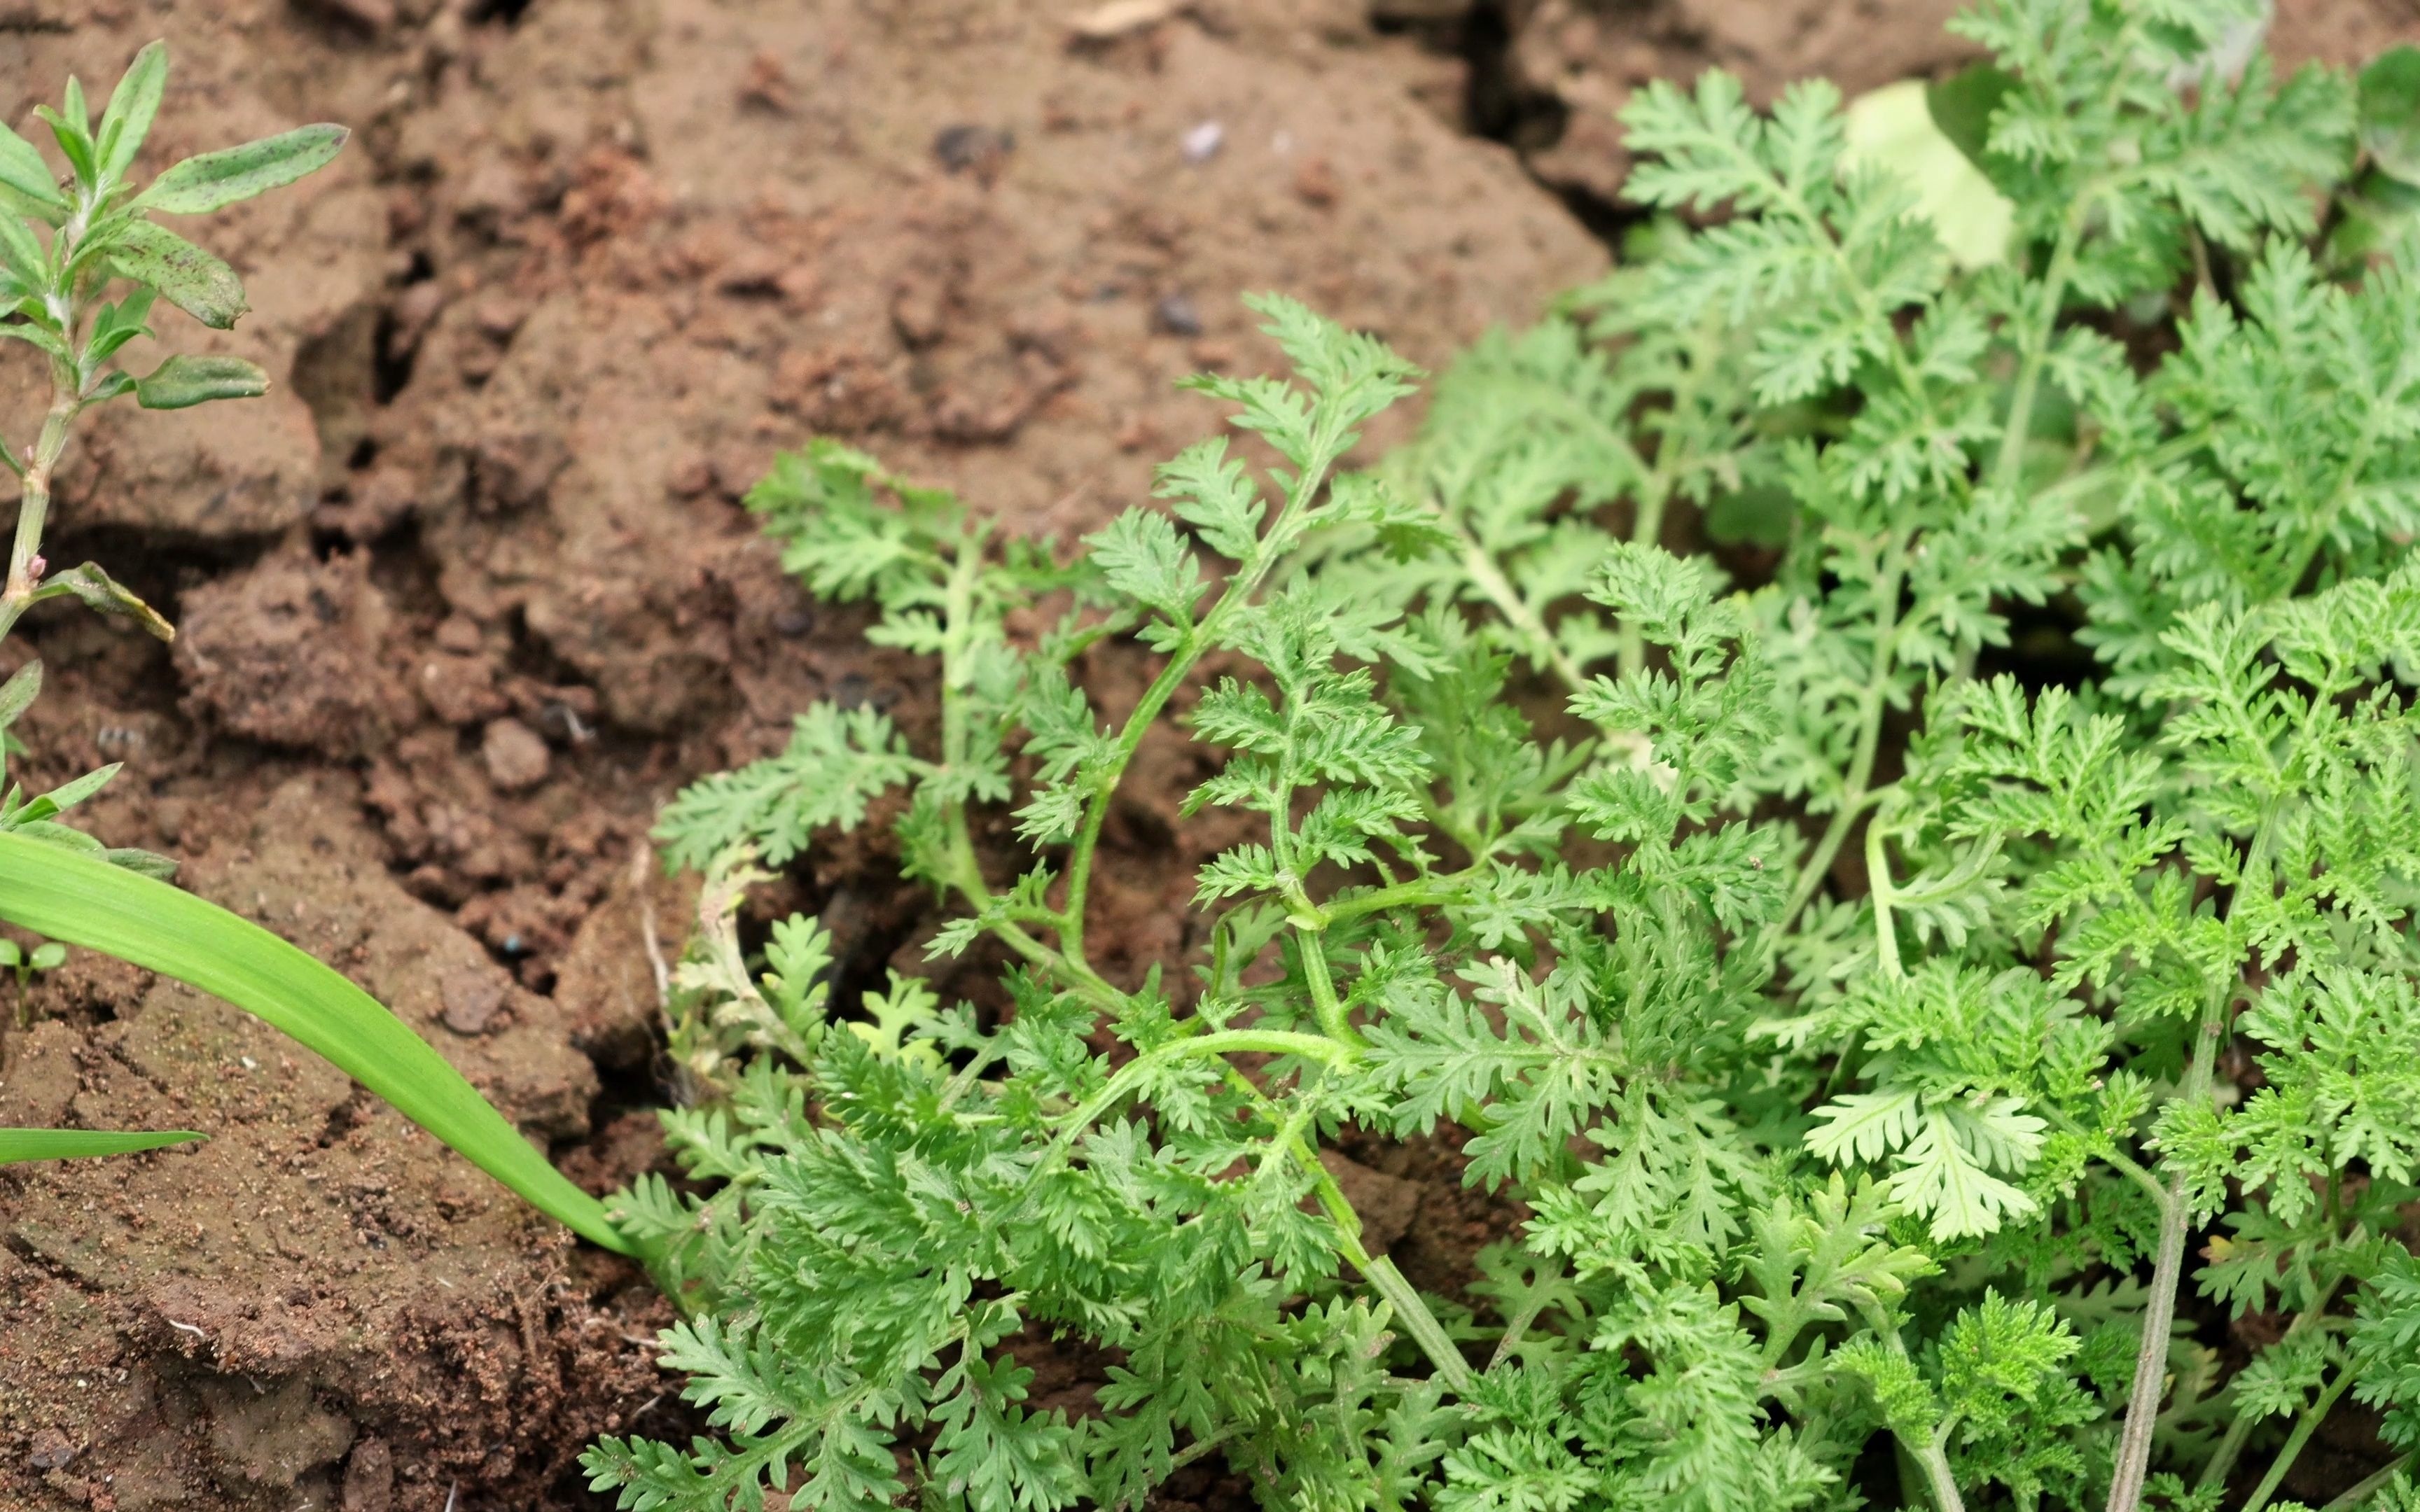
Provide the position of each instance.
(67, 1144)
(63, 896)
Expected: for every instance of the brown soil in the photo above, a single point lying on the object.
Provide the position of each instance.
(469, 595)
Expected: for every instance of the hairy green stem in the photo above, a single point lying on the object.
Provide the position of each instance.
(1219, 1042)
(2305, 1427)
(1646, 529)
(2035, 352)
(1517, 1326)
(2133, 1460)
(1882, 895)
(1199, 639)
(34, 503)
(1542, 647)
(1870, 705)
(2167, 1268)
(2315, 537)
(2117, 1159)
(2239, 1431)
(1418, 892)
(1389, 1282)
(1324, 1001)
(1934, 1455)
(1929, 1450)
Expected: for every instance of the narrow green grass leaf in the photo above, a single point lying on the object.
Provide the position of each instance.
(86, 902)
(68, 1144)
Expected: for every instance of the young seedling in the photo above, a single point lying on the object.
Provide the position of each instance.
(83, 264)
(48, 956)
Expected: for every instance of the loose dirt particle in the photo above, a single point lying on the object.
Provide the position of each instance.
(516, 757)
(979, 148)
(472, 996)
(1177, 315)
(369, 1477)
(51, 1451)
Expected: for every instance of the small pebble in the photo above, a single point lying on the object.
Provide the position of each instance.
(516, 758)
(1177, 315)
(1201, 144)
(469, 997)
(957, 148)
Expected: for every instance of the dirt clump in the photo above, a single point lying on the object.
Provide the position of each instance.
(292, 652)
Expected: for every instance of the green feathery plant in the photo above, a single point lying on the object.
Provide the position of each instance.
(65, 244)
(1875, 1041)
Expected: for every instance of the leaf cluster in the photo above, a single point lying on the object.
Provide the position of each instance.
(1886, 1053)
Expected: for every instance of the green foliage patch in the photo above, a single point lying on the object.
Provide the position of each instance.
(1881, 1046)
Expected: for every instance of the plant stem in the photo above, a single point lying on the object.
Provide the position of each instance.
(2369, 1485)
(1389, 1282)
(1199, 639)
(1929, 1450)
(2315, 536)
(2036, 351)
(1516, 1327)
(2151, 1364)
(2159, 1318)
(1854, 795)
(2118, 1160)
(34, 503)
(1223, 1042)
(1882, 894)
(1332, 1021)
(1418, 892)
(2222, 1458)
(1934, 1457)
(2304, 1427)
(1507, 601)
(1646, 529)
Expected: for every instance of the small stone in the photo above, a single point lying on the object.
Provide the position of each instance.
(469, 997)
(516, 758)
(1138, 433)
(52, 1450)
(460, 690)
(755, 273)
(1314, 183)
(1176, 315)
(960, 148)
(460, 634)
(493, 193)
(1202, 143)
(498, 316)
(369, 1477)
(415, 310)
(768, 86)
